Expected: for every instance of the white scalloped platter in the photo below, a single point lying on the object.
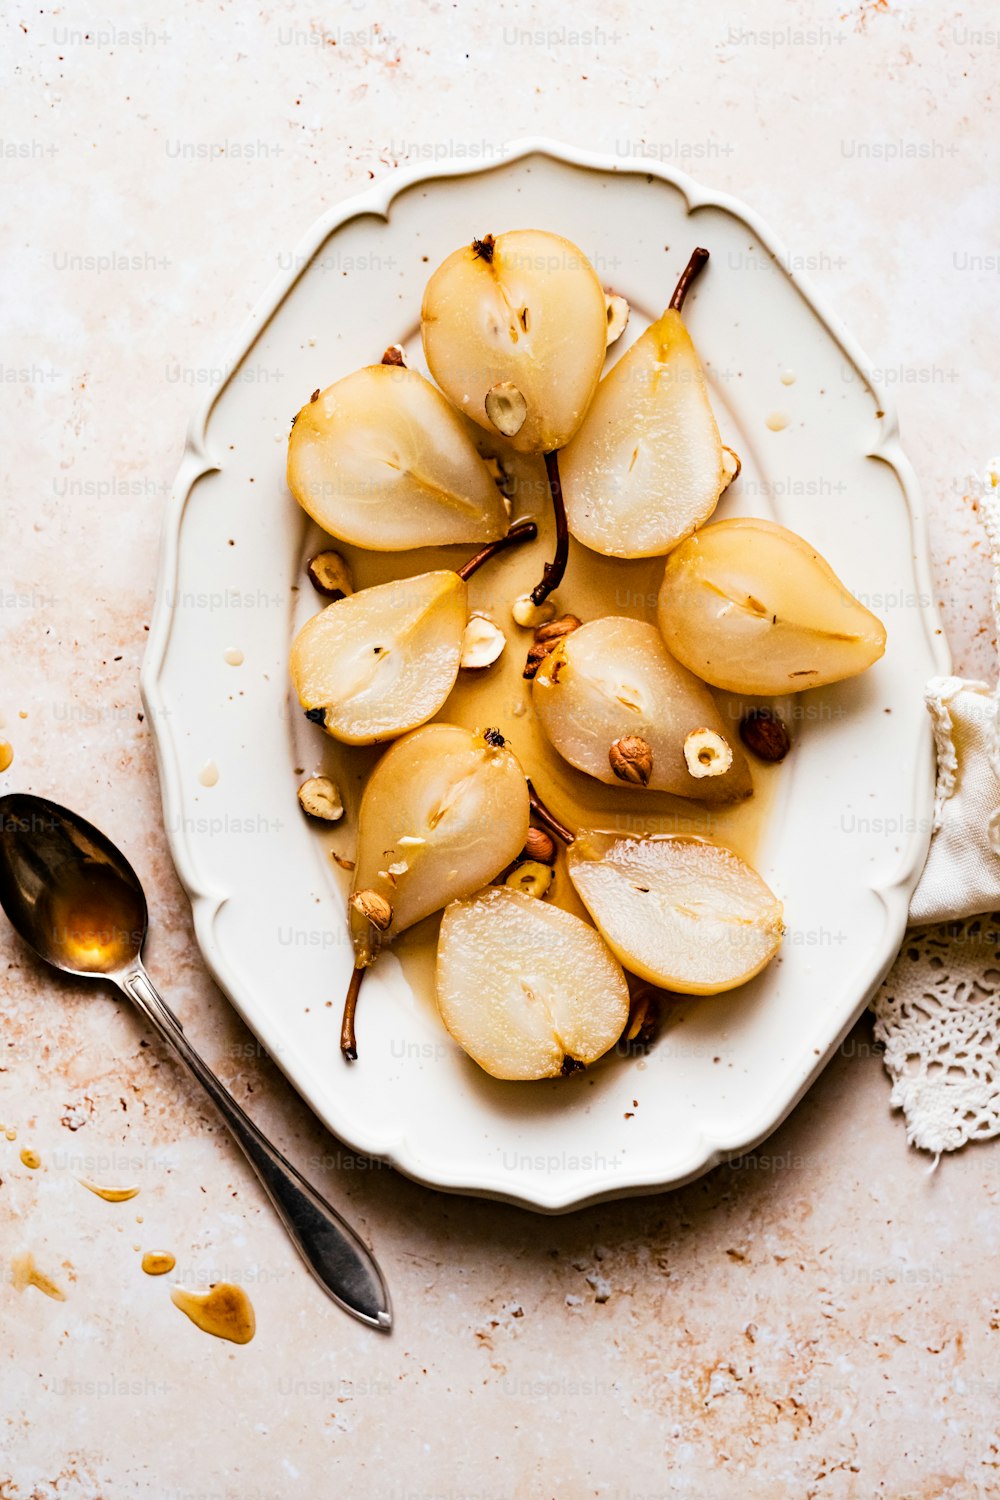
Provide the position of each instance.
(847, 817)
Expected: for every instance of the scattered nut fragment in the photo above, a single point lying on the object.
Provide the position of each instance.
(532, 878)
(506, 408)
(547, 638)
(731, 465)
(373, 906)
(330, 575)
(707, 753)
(765, 734)
(643, 1017)
(482, 644)
(540, 846)
(618, 311)
(529, 614)
(338, 859)
(320, 798)
(395, 355)
(631, 759)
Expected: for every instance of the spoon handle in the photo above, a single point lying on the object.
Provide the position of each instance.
(334, 1253)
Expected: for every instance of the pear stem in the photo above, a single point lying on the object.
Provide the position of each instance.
(547, 819)
(552, 573)
(348, 1039)
(697, 263)
(521, 531)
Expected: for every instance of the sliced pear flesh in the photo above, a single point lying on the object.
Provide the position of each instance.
(383, 661)
(523, 986)
(751, 607)
(681, 912)
(522, 314)
(612, 680)
(444, 811)
(381, 459)
(647, 466)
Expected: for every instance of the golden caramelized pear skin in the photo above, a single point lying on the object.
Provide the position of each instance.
(523, 310)
(681, 912)
(444, 811)
(381, 459)
(751, 607)
(647, 466)
(523, 986)
(612, 680)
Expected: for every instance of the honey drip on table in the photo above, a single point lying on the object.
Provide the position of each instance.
(30, 1158)
(109, 1194)
(6, 755)
(26, 1273)
(225, 1311)
(158, 1263)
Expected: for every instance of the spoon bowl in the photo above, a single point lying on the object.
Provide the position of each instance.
(75, 899)
(67, 890)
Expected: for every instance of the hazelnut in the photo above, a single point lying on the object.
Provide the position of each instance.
(506, 408)
(395, 355)
(547, 638)
(482, 644)
(529, 614)
(707, 753)
(373, 906)
(765, 735)
(532, 878)
(631, 759)
(320, 798)
(731, 466)
(643, 1017)
(540, 846)
(330, 575)
(617, 310)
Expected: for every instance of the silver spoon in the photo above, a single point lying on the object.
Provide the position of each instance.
(75, 899)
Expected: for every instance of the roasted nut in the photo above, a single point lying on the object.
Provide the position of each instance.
(482, 644)
(617, 310)
(320, 798)
(765, 735)
(395, 355)
(330, 575)
(373, 906)
(539, 846)
(506, 408)
(731, 465)
(547, 638)
(529, 614)
(643, 1017)
(707, 753)
(631, 759)
(531, 877)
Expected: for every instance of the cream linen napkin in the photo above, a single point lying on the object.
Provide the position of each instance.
(938, 1013)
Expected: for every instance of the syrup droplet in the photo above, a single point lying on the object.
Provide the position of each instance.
(26, 1273)
(225, 1311)
(788, 377)
(777, 420)
(209, 773)
(233, 656)
(10, 1133)
(158, 1262)
(109, 1194)
(30, 1158)
(6, 755)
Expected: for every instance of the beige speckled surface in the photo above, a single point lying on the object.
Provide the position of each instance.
(819, 1321)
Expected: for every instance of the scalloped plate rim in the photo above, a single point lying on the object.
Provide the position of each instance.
(206, 903)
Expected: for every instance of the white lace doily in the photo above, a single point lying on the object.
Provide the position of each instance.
(938, 1017)
(938, 1013)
